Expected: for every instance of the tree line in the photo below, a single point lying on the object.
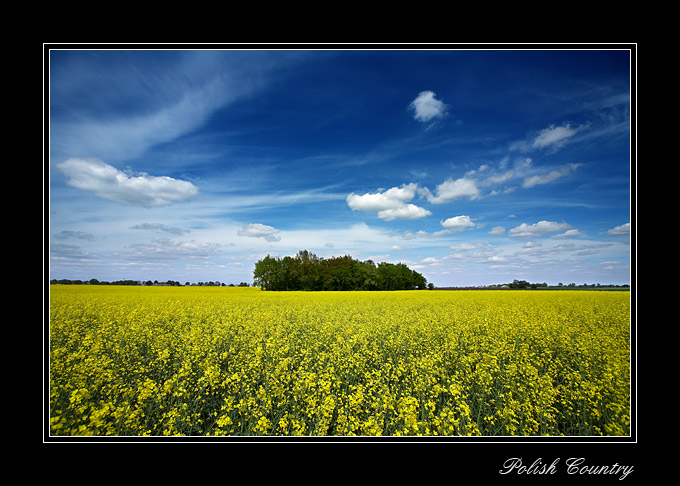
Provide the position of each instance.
(307, 271)
(169, 283)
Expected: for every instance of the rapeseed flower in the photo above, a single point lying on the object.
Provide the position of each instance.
(226, 361)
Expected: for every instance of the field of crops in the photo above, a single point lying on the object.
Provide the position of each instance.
(238, 361)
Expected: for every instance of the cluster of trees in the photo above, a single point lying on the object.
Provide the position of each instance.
(306, 271)
(218, 284)
(523, 284)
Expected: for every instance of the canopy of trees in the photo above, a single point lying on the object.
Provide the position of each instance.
(306, 271)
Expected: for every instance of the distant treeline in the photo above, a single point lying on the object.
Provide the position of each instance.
(306, 271)
(169, 283)
(94, 281)
(523, 285)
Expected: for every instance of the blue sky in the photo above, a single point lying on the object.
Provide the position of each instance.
(472, 166)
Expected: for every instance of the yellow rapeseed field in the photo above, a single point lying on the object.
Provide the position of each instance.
(134, 361)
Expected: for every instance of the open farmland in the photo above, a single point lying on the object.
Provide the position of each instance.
(203, 361)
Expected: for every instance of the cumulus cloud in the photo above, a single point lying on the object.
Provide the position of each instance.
(452, 189)
(538, 229)
(107, 182)
(458, 223)
(390, 204)
(497, 231)
(257, 230)
(568, 234)
(620, 230)
(380, 201)
(425, 107)
(406, 211)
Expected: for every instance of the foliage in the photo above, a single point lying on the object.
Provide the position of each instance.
(306, 271)
(133, 361)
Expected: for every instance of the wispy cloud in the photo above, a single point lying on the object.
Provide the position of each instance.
(552, 138)
(78, 235)
(160, 227)
(550, 176)
(126, 137)
(168, 250)
(121, 104)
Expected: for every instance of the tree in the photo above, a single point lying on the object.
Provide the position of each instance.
(419, 282)
(266, 272)
(306, 265)
(366, 276)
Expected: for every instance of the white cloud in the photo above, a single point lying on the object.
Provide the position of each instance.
(390, 204)
(165, 249)
(379, 201)
(620, 230)
(497, 231)
(549, 176)
(555, 137)
(257, 230)
(124, 105)
(542, 227)
(570, 248)
(128, 137)
(79, 235)
(160, 227)
(425, 107)
(552, 138)
(410, 235)
(568, 234)
(105, 181)
(458, 223)
(468, 246)
(406, 211)
(452, 189)
(499, 179)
